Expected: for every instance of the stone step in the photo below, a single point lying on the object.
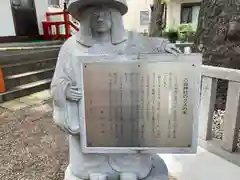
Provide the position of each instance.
(26, 66)
(24, 90)
(15, 50)
(27, 77)
(28, 74)
(31, 55)
(27, 71)
(31, 44)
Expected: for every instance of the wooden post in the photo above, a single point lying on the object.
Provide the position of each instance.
(46, 30)
(232, 117)
(208, 98)
(57, 30)
(67, 25)
(48, 17)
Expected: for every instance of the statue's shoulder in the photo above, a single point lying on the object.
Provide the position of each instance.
(68, 45)
(71, 45)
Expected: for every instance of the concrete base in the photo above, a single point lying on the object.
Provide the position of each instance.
(26, 101)
(201, 166)
(214, 146)
(159, 172)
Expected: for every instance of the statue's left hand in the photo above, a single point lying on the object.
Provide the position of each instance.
(172, 49)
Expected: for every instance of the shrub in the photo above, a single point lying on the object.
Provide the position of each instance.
(172, 35)
(186, 33)
(183, 33)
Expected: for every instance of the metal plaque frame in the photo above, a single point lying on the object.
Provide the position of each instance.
(95, 67)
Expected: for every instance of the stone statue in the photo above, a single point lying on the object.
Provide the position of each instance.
(101, 33)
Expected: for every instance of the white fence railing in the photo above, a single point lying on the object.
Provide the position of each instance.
(210, 76)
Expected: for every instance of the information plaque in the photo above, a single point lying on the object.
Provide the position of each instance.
(147, 104)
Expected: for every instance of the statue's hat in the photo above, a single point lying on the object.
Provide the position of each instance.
(76, 7)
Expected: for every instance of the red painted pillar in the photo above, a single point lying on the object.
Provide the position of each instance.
(2, 84)
(67, 25)
(46, 30)
(48, 17)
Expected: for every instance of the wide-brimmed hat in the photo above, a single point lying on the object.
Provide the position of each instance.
(76, 7)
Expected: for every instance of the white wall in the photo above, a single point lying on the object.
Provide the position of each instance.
(6, 18)
(132, 18)
(41, 9)
(174, 11)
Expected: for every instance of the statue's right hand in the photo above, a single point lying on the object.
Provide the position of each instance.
(73, 93)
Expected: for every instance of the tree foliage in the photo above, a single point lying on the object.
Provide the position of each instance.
(218, 32)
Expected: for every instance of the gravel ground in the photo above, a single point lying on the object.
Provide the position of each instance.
(218, 122)
(31, 147)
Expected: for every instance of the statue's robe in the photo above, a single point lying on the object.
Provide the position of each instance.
(67, 115)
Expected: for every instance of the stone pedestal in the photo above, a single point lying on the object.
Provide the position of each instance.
(159, 172)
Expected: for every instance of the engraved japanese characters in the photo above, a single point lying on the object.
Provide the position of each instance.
(141, 104)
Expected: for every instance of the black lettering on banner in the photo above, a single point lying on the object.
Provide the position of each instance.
(110, 105)
(154, 98)
(142, 109)
(148, 93)
(132, 108)
(175, 102)
(137, 106)
(121, 106)
(170, 116)
(185, 96)
(116, 105)
(158, 106)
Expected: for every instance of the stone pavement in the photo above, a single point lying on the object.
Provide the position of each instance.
(27, 101)
(201, 166)
(31, 146)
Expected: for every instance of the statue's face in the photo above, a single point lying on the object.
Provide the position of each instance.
(101, 20)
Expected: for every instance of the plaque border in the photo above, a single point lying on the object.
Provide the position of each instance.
(194, 58)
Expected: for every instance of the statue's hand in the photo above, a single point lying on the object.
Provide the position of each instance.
(73, 93)
(172, 49)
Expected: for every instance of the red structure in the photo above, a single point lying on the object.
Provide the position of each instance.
(48, 26)
(2, 85)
